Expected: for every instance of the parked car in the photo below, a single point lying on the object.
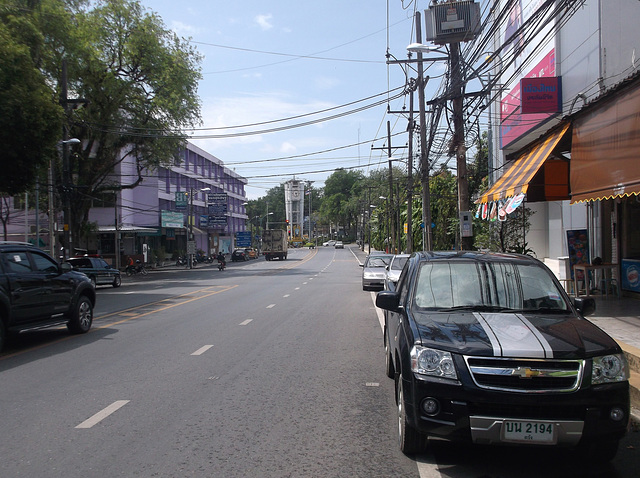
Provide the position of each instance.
(239, 255)
(251, 253)
(374, 271)
(329, 243)
(97, 269)
(393, 270)
(339, 245)
(488, 348)
(37, 292)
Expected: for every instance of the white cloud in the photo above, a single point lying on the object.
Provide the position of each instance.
(287, 148)
(264, 21)
(184, 29)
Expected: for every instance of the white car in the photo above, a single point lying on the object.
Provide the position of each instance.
(329, 243)
(394, 269)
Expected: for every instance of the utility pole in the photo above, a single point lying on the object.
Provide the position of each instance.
(410, 180)
(392, 229)
(424, 160)
(66, 176)
(466, 239)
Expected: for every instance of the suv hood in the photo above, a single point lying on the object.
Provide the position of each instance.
(513, 335)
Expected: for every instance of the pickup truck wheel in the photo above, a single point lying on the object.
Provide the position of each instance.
(117, 281)
(81, 317)
(410, 440)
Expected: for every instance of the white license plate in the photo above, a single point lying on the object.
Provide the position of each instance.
(528, 432)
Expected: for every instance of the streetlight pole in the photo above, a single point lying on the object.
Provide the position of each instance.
(466, 241)
(424, 160)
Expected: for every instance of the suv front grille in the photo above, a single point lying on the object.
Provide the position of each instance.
(526, 375)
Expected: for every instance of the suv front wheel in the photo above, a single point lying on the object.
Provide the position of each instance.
(81, 317)
(411, 440)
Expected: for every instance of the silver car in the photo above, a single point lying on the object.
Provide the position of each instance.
(394, 269)
(374, 271)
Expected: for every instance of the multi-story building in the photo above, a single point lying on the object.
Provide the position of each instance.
(565, 128)
(197, 194)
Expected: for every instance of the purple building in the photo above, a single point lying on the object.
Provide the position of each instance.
(197, 195)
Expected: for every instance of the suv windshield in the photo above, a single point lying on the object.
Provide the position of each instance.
(487, 286)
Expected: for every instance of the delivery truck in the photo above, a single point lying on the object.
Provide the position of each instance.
(275, 244)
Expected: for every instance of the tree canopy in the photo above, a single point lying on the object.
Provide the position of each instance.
(30, 118)
(136, 79)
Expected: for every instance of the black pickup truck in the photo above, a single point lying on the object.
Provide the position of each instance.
(488, 348)
(36, 292)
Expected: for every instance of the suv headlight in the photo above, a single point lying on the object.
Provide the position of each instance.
(609, 368)
(433, 362)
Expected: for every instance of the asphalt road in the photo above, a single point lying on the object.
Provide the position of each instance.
(267, 369)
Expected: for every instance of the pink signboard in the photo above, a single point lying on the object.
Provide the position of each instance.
(541, 95)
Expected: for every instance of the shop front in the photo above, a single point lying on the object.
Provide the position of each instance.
(605, 173)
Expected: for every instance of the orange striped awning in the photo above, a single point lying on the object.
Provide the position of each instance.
(517, 179)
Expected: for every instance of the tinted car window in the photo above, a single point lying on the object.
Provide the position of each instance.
(18, 262)
(514, 286)
(443, 285)
(44, 264)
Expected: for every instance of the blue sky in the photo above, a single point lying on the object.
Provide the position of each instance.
(269, 60)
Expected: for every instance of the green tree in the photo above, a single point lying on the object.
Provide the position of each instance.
(444, 210)
(140, 83)
(30, 119)
(339, 203)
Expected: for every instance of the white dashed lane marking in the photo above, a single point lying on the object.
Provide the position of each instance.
(101, 415)
(202, 350)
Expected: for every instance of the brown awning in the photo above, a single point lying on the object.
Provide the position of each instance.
(605, 153)
(554, 183)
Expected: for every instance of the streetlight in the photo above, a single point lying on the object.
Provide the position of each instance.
(456, 94)
(419, 48)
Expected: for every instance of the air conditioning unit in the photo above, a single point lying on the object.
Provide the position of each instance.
(452, 22)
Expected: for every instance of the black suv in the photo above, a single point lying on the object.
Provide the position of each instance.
(37, 292)
(488, 348)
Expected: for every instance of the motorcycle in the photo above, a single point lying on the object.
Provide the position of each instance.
(137, 268)
(222, 265)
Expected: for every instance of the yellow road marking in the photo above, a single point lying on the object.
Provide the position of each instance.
(206, 292)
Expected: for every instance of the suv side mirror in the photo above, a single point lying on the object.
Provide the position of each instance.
(388, 300)
(65, 267)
